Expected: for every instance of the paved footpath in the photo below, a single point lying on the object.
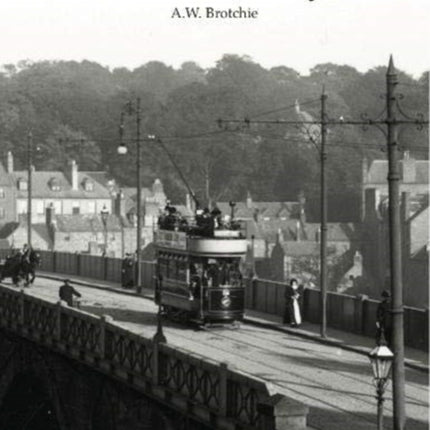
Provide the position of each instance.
(333, 377)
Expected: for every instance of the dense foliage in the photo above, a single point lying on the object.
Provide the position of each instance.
(73, 110)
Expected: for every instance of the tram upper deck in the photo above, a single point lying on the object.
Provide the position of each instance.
(222, 243)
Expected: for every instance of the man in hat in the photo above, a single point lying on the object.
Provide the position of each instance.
(66, 293)
(384, 323)
(127, 271)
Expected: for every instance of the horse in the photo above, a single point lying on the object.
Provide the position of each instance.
(21, 267)
(12, 268)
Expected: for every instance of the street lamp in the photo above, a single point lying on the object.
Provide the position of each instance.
(381, 359)
(104, 213)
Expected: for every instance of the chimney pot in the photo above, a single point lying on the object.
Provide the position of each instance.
(9, 162)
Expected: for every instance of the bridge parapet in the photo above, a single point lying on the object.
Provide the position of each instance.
(209, 392)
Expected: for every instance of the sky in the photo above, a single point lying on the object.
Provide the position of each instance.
(294, 33)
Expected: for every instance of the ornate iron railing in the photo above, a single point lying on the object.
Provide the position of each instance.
(202, 389)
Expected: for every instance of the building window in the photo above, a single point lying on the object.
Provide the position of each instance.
(22, 184)
(54, 185)
(88, 185)
(76, 210)
(2, 194)
(2, 213)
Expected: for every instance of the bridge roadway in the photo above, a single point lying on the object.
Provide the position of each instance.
(335, 383)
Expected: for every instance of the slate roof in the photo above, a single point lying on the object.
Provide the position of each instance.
(41, 229)
(130, 196)
(336, 232)
(300, 249)
(264, 209)
(378, 171)
(88, 223)
(41, 185)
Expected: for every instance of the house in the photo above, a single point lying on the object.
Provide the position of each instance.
(75, 211)
(414, 224)
(69, 192)
(297, 253)
(414, 179)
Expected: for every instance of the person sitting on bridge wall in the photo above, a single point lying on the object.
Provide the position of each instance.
(66, 293)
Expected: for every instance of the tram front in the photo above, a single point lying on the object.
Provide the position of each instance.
(215, 276)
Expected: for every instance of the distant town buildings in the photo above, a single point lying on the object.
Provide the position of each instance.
(74, 211)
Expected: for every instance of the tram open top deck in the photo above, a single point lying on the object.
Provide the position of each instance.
(223, 243)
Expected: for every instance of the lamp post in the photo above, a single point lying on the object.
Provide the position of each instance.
(159, 335)
(134, 109)
(381, 359)
(104, 213)
(29, 185)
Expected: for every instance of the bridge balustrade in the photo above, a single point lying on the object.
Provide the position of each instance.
(356, 314)
(210, 391)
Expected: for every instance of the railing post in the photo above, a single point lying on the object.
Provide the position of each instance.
(78, 263)
(156, 364)
(254, 287)
(104, 320)
(223, 376)
(105, 268)
(22, 307)
(359, 313)
(60, 305)
(54, 261)
(282, 413)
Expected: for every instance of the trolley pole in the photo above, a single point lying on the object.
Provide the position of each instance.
(29, 185)
(323, 190)
(395, 253)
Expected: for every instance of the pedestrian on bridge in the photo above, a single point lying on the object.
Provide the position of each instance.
(127, 271)
(292, 308)
(384, 321)
(66, 293)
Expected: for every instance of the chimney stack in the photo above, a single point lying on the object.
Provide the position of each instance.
(370, 203)
(120, 204)
(188, 202)
(280, 236)
(298, 227)
(248, 200)
(49, 215)
(302, 202)
(74, 175)
(9, 162)
(409, 168)
(405, 206)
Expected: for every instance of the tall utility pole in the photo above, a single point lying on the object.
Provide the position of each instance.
(139, 195)
(122, 150)
(395, 253)
(29, 184)
(323, 244)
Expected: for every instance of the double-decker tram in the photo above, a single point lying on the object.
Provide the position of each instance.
(198, 268)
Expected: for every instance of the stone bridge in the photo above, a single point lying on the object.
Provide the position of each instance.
(82, 371)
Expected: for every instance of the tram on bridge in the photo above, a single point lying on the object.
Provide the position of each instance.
(198, 274)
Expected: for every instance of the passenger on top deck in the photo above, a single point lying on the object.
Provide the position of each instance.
(216, 215)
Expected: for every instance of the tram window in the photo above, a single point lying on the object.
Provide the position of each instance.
(181, 271)
(223, 272)
(164, 268)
